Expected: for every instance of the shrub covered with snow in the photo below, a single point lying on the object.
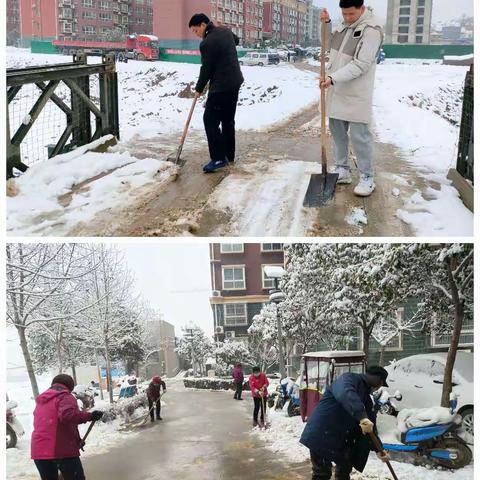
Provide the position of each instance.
(211, 383)
(124, 408)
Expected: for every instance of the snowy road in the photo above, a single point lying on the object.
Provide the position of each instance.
(204, 436)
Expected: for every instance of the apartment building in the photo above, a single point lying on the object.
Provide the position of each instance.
(408, 22)
(312, 24)
(13, 22)
(239, 285)
(285, 21)
(82, 19)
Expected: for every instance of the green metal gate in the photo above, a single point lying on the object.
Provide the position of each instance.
(69, 104)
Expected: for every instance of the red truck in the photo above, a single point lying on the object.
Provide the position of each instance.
(137, 47)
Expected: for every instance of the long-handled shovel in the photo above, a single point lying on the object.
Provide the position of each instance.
(177, 160)
(379, 447)
(263, 411)
(87, 433)
(322, 185)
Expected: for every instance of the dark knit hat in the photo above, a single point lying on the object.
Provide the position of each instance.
(379, 372)
(351, 3)
(65, 380)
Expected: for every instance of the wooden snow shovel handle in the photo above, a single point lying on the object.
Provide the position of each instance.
(379, 447)
(187, 125)
(82, 442)
(323, 101)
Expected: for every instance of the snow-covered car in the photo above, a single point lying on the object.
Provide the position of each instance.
(420, 379)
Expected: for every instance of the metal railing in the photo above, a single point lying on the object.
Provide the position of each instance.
(465, 158)
(53, 109)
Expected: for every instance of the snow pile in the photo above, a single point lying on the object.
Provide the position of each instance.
(357, 217)
(422, 417)
(38, 206)
(421, 119)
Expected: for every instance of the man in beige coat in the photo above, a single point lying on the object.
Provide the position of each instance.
(354, 47)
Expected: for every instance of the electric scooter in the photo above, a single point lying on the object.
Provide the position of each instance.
(439, 444)
(14, 428)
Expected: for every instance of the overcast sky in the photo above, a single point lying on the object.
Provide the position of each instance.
(443, 10)
(175, 279)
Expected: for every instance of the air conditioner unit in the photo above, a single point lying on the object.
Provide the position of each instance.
(219, 330)
(216, 293)
(229, 334)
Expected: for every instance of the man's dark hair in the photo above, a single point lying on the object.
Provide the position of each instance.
(351, 3)
(65, 380)
(198, 19)
(255, 369)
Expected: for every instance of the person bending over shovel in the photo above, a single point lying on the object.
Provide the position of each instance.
(220, 67)
(258, 383)
(154, 397)
(338, 427)
(354, 47)
(56, 442)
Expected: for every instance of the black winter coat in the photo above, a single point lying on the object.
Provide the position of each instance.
(153, 390)
(333, 428)
(219, 61)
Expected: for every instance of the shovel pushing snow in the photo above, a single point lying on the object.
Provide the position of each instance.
(379, 447)
(87, 433)
(322, 185)
(177, 160)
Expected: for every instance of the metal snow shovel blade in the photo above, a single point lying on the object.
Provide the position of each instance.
(176, 159)
(378, 445)
(322, 185)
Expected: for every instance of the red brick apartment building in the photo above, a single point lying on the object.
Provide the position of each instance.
(285, 21)
(80, 19)
(239, 285)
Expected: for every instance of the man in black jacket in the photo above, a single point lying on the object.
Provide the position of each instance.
(338, 427)
(220, 67)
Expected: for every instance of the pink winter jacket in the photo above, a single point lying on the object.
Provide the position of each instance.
(259, 383)
(55, 419)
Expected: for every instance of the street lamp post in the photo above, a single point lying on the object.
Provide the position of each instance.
(277, 297)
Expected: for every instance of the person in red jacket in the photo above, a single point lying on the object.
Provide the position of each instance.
(56, 442)
(258, 382)
(153, 395)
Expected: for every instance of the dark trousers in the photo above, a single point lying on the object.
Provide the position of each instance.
(257, 404)
(158, 406)
(322, 469)
(220, 110)
(238, 390)
(71, 469)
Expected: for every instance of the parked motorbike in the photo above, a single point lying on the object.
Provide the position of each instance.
(439, 444)
(14, 427)
(85, 396)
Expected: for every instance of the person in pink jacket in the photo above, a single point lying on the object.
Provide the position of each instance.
(56, 442)
(258, 383)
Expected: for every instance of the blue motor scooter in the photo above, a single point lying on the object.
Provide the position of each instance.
(437, 444)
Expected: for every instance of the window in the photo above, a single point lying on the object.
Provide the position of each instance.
(419, 39)
(420, 29)
(231, 248)
(272, 247)
(87, 3)
(103, 5)
(466, 336)
(67, 28)
(233, 277)
(89, 30)
(421, 3)
(403, 39)
(405, 11)
(404, 20)
(403, 29)
(421, 12)
(105, 16)
(235, 314)
(267, 282)
(67, 13)
(89, 15)
(405, 2)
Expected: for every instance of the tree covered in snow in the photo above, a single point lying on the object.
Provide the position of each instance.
(229, 353)
(42, 281)
(440, 276)
(195, 347)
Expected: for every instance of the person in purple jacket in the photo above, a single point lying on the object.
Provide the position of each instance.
(56, 442)
(237, 374)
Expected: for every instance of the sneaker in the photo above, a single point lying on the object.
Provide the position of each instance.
(365, 186)
(255, 424)
(159, 418)
(344, 175)
(214, 165)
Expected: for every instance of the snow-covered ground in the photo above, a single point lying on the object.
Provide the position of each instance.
(282, 437)
(417, 107)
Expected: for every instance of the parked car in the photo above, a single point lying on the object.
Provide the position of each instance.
(420, 379)
(260, 59)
